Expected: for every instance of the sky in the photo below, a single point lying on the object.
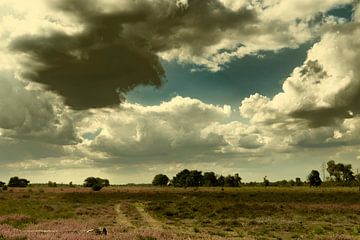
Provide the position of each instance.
(128, 89)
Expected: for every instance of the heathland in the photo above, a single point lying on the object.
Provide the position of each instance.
(135, 212)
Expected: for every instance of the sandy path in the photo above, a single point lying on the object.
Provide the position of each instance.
(121, 218)
(151, 222)
(146, 221)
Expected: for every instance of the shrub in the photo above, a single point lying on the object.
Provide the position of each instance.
(314, 178)
(160, 180)
(96, 183)
(52, 184)
(96, 187)
(18, 182)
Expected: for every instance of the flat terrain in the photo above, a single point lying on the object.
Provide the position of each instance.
(175, 213)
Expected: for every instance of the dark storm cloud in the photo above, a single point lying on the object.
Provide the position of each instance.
(117, 50)
(94, 67)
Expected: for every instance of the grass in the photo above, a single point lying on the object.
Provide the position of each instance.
(203, 213)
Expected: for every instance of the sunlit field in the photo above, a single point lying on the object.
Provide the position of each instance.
(178, 213)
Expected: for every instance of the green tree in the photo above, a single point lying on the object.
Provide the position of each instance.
(187, 178)
(179, 180)
(160, 180)
(221, 181)
(52, 184)
(210, 179)
(96, 183)
(341, 173)
(233, 181)
(18, 182)
(348, 174)
(266, 182)
(298, 182)
(314, 178)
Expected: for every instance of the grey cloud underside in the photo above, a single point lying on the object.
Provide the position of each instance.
(117, 50)
(98, 76)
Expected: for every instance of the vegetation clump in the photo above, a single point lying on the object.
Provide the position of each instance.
(314, 178)
(195, 178)
(160, 180)
(96, 183)
(18, 182)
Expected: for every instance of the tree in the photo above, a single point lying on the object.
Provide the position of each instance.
(233, 181)
(266, 182)
(187, 178)
(18, 182)
(340, 172)
(314, 178)
(2, 184)
(179, 180)
(196, 179)
(348, 174)
(221, 181)
(210, 179)
(298, 182)
(160, 180)
(96, 183)
(52, 184)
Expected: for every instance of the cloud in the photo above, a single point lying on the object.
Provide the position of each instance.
(33, 114)
(93, 67)
(94, 52)
(66, 48)
(171, 130)
(323, 91)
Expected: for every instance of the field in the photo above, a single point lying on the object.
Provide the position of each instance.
(148, 213)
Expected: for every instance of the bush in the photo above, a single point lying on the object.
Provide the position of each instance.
(18, 182)
(96, 183)
(314, 178)
(96, 187)
(52, 184)
(160, 180)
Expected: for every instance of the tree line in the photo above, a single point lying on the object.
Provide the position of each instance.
(339, 174)
(95, 183)
(195, 178)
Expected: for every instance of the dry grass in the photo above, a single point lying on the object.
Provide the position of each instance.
(176, 213)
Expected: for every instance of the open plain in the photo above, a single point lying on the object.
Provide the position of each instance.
(180, 213)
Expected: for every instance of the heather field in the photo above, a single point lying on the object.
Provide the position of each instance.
(177, 213)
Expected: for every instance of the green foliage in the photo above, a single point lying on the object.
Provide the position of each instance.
(52, 184)
(266, 182)
(340, 173)
(96, 183)
(195, 178)
(160, 180)
(210, 179)
(96, 187)
(232, 181)
(314, 178)
(187, 178)
(319, 230)
(221, 181)
(18, 182)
